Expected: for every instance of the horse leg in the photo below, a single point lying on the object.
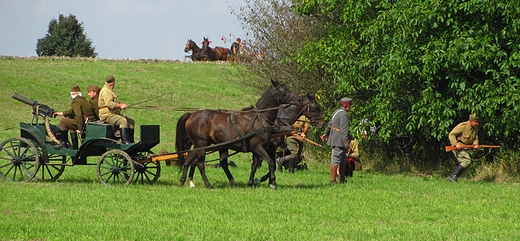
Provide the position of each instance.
(202, 169)
(254, 165)
(190, 176)
(187, 163)
(225, 166)
(262, 152)
(271, 150)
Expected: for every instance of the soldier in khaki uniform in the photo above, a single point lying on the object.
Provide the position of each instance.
(465, 133)
(93, 93)
(75, 118)
(110, 111)
(352, 157)
(294, 145)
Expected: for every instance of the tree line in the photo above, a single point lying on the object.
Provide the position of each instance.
(414, 68)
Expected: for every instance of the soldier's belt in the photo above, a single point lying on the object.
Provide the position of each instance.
(335, 128)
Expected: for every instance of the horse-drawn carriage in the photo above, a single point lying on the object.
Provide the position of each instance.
(32, 156)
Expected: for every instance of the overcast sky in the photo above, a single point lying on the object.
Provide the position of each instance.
(133, 29)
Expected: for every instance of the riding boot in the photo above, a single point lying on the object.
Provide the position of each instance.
(456, 173)
(291, 166)
(131, 137)
(64, 140)
(125, 136)
(74, 140)
(333, 170)
(342, 168)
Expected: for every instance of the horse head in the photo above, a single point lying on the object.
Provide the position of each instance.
(313, 111)
(205, 44)
(284, 95)
(289, 114)
(190, 46)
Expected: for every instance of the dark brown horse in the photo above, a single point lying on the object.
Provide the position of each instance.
(217, 53)
(242, 131)
(287, 116)
(196, 51)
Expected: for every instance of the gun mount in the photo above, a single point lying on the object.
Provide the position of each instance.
(38, 109)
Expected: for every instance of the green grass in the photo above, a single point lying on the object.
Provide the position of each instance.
(370, 206)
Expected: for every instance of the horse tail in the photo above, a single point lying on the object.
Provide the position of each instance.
(182, 141)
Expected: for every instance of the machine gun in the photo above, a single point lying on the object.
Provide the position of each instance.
(38, 109)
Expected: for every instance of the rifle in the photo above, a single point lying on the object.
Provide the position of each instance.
(305, 139)
(451, 148)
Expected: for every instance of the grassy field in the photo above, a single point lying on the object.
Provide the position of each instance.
(370, 206)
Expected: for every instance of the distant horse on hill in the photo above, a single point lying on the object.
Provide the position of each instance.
(196, 51)
(217, 53)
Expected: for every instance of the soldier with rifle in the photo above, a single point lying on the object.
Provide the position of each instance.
(465, 133)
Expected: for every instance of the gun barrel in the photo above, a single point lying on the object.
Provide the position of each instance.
(24, 99)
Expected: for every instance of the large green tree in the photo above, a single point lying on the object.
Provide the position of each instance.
(416, 68)
(65, 37)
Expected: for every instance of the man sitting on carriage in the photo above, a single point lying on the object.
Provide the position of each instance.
(110, 111)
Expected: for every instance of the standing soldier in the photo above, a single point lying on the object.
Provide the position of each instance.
(336, 136)
(294, 145)
(74, 119)
(110, 111)
(93, 93)
(465, 133)
(235, 48)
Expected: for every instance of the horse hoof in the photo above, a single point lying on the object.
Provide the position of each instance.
(256, 182)
(233, 183)
(192, 184)
(272, 186)
(210, 187)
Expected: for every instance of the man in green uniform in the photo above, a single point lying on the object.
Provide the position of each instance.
(294, 145)
(93, 93)
(465, 133)
(75, 118)
(110, 111)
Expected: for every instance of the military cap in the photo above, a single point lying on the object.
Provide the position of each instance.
(94, 88)
(75, 88)
(346, 100)
(110, 79)
(473, 117)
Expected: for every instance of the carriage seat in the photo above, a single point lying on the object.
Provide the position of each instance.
(100, 129)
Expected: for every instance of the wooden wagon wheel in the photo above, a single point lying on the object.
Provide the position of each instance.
(147, 172)
(49, 131)
(115, 167)
(19, 159)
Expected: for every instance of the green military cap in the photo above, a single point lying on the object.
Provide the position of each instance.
(473, 117)
(94, 88)
(110, 79)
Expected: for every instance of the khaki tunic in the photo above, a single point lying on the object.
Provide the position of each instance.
(465, 134)
(108, 99)
(353, 151)
(75, 117)
(107, 111)
(95, 106)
